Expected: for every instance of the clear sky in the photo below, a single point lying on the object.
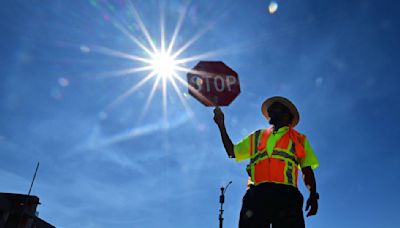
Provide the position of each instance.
(114, 160)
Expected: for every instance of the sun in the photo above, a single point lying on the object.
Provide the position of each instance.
(161, 61)
(163, 64)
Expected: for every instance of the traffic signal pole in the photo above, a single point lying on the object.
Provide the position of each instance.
(221, 201)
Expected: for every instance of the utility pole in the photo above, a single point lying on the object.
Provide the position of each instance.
(221, 201)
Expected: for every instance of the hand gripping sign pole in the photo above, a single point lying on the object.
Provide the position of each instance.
(221, 201)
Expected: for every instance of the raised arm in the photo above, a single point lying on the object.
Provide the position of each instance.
(219, 120)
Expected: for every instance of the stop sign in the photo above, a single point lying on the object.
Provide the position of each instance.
(213, 83)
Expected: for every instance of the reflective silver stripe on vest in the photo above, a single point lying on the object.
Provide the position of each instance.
(289, 171)
(285, 155)
(293, 149)
(258, 157)
(256, 139)
(255, 147)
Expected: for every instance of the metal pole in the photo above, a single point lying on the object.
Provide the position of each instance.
(27, 196)
(221, 201)
(33, 179)
(221, 211)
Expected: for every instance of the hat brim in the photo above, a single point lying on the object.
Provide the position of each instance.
(292, 108)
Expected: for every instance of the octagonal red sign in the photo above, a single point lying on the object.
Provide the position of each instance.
(213, 83)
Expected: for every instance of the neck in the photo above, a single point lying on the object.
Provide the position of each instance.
(277, 126)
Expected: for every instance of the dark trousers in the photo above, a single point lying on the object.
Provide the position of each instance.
(276, 204)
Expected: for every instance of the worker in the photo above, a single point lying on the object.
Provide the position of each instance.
(275, 154)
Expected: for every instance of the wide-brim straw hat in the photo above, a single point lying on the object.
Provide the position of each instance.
(292, 108)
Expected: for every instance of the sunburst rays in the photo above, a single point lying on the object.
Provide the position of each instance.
(159, 60)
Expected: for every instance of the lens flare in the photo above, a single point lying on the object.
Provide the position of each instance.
(273, 7)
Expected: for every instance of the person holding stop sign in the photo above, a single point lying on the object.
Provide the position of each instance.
(275, 155)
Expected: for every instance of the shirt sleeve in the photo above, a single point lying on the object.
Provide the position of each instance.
(310, 159)
(242, 149)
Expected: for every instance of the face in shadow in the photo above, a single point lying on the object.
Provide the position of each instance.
(280, 115)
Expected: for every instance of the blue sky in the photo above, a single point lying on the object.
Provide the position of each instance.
(113, 166)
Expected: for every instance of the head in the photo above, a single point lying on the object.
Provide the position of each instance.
(280, 115)
(280, 112)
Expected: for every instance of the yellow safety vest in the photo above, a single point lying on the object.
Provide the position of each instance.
(282, 165)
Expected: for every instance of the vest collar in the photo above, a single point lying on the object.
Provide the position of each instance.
(281, 130)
